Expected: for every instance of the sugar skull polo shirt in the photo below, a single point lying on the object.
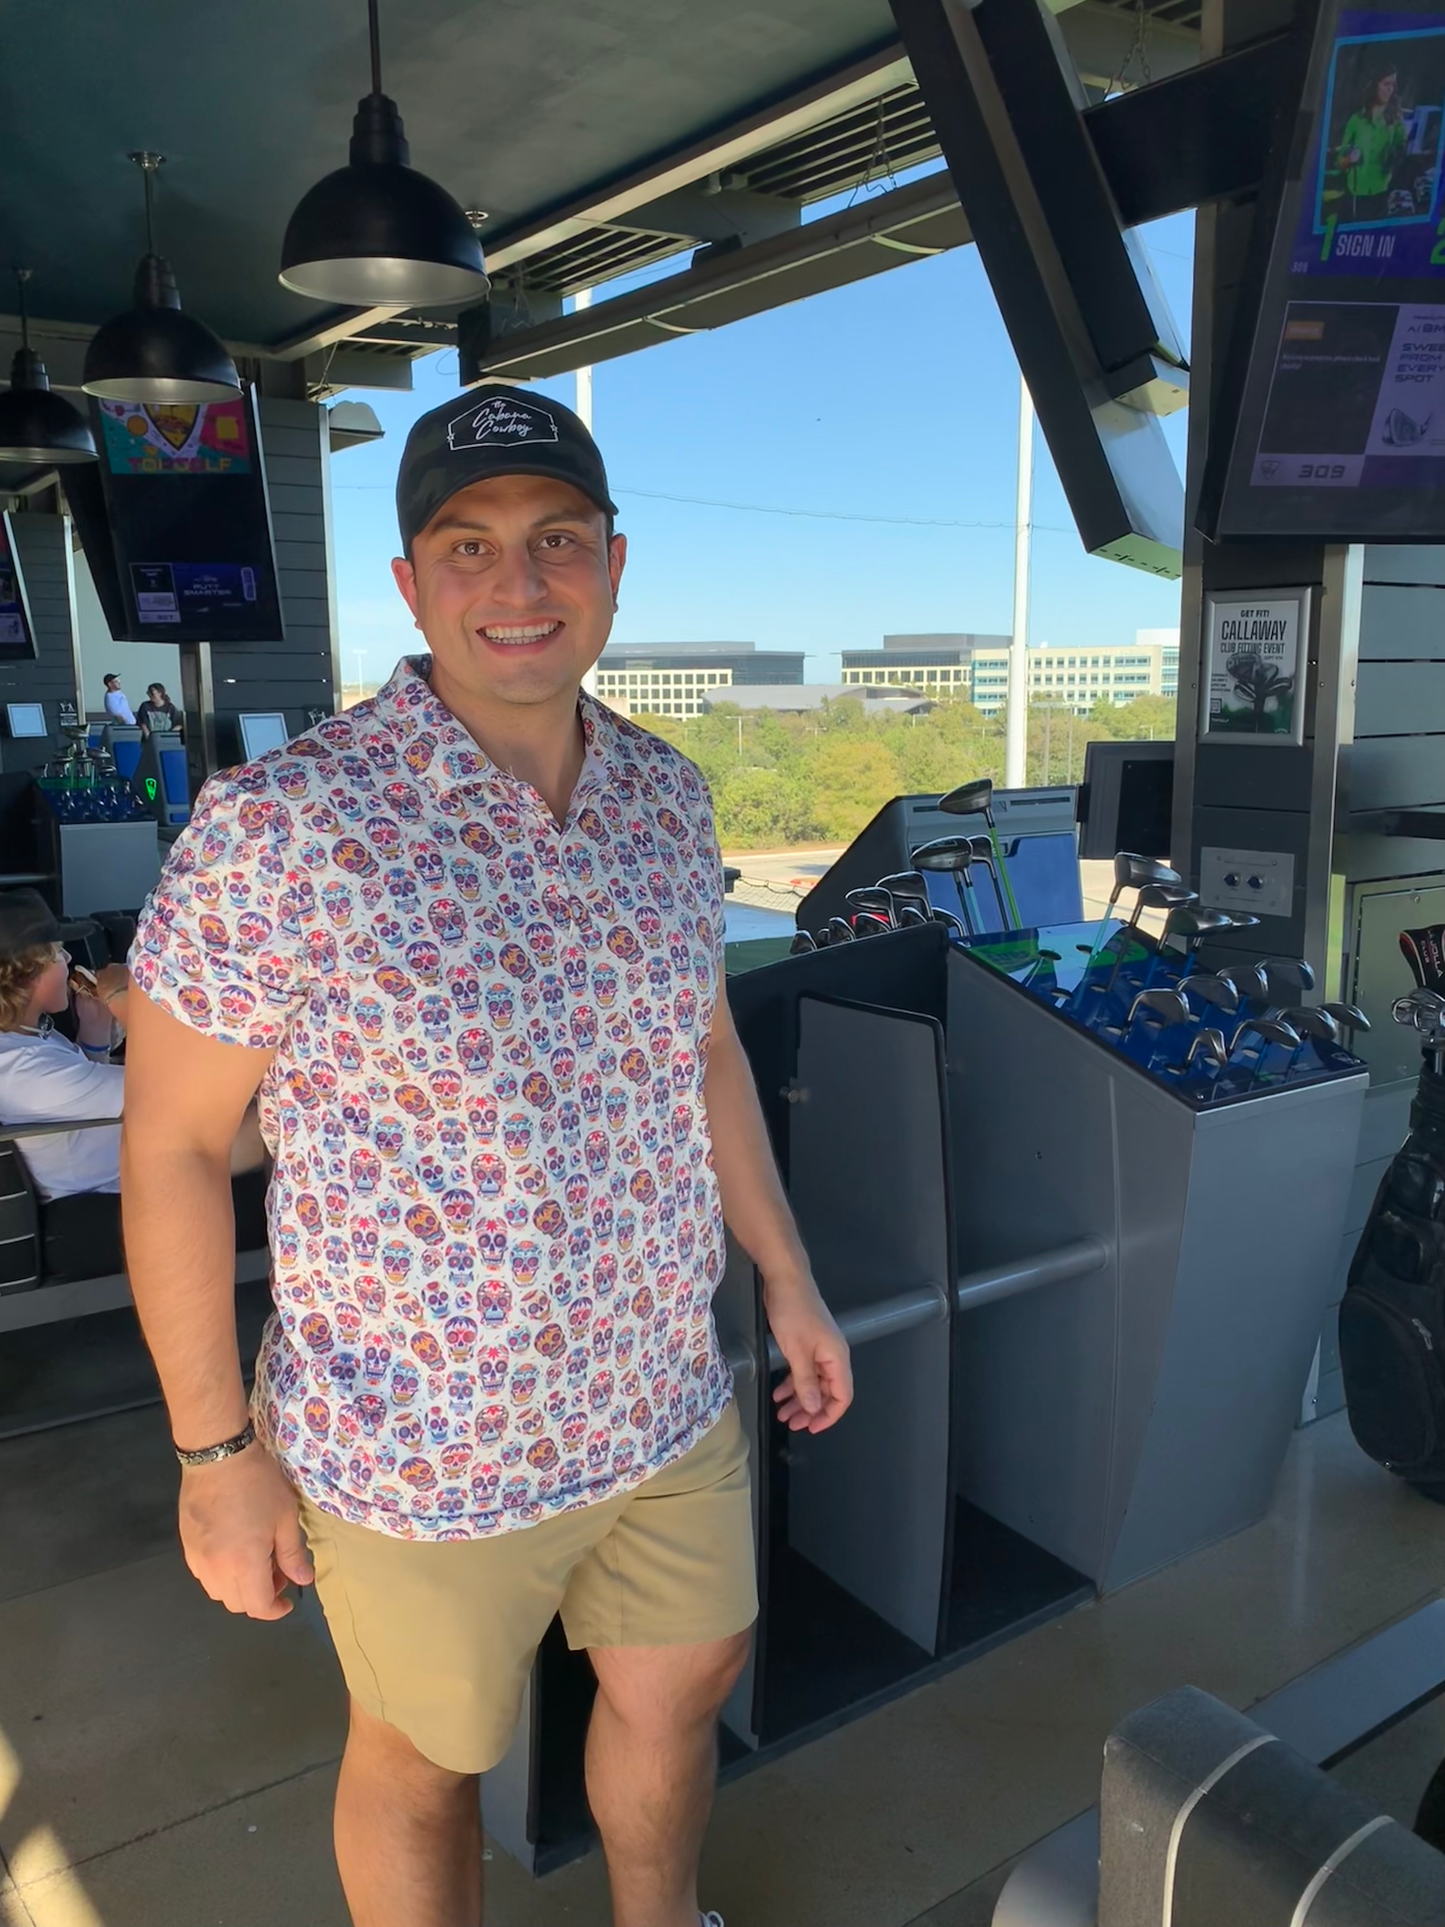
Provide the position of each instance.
(495, 1226)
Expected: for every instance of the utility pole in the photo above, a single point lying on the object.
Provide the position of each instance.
(1016, 743)
(583, 299)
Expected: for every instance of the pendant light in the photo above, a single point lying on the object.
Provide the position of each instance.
(376, 233)
(36, 425)
(153, 352)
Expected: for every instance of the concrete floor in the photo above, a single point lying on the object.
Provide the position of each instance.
(164, 1765)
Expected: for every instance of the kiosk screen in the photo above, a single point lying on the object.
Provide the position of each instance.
(17, 639)
(1341, 432)
(185, 497)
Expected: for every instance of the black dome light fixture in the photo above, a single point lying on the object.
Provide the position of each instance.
(376, 233)
(36, 425)
(153, 352)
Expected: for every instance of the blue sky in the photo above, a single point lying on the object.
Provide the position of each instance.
(840, 432)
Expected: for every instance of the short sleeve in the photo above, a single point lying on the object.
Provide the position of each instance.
(218, 944)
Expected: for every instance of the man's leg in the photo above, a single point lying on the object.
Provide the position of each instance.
(651, 1764)
(408, 1833)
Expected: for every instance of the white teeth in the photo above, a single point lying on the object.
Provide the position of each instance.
(520, 632)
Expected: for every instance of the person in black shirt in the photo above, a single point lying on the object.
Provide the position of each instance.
(158, 711)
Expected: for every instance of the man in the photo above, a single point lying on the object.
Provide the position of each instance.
(158, 711)
(117, 704)
(466, 941)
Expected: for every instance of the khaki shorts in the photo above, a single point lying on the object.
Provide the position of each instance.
(438, 1639)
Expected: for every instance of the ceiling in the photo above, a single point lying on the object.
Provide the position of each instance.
(538, 111)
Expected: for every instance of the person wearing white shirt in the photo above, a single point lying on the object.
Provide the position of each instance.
(44, 1077)
(117, 703)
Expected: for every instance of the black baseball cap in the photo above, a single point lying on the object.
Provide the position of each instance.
(27, 921)
(493, 431)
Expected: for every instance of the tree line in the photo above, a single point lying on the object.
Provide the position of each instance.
(779, 780)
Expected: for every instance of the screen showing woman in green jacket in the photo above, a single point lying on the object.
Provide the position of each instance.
(1372, 145)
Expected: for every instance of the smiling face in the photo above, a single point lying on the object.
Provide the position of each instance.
(513, 583)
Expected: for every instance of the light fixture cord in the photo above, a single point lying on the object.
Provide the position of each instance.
(148, 175)
(374, 29)
(22, 275)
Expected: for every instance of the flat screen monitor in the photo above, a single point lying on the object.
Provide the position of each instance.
(17, 637)
(26, 719)
(1126, 800)
(262, 730)
(85, 501)
(1340, 432)
(190, 523)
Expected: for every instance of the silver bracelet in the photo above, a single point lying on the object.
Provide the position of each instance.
(227, 1449)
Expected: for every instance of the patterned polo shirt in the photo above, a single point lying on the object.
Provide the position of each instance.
(495, 1226)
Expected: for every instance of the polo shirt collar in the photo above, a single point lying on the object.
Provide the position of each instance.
(441, 753)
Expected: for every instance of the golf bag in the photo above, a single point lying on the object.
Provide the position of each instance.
(1392, 1318)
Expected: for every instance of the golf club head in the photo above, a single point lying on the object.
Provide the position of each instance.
(1347, 1016)
(865, 924)
(1193, 920)
(1247, 981)
(802, 944)
(1310, 1021)
(1291, 972)
(875, 901)
(1213, 990)
(1167, 1005)
(904, 883)
(1133, 872)
(1165, 896)
(839, 930)
(938, 856)
(983, 853)
(927, 855)
(910, 916)
(1243, 920)
(969, 799)
(1274, 1030)
(1207, 1043)
(1423, 1009)
(955, 924)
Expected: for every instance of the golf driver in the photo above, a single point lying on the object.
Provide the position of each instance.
(976, 799)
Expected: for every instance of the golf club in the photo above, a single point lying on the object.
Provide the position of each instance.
(955, 854)
(1312, 1021)
(1293, 972)
(876, 902)
(908, 886)
(983, 853)
(802, 944)
(865, 924)
(1194, 923)
(1213, 990)
(839, 930)
(976, 799)
(1348, 1016)
(1206, 1043)
(1269, 1030)
(910, 916)
(1153, 896)
(1249, 982)
(1131, 872)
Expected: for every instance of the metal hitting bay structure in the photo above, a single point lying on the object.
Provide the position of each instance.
(723, 153)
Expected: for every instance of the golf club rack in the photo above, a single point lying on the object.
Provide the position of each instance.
(1074, 1200)
(1392, 1316)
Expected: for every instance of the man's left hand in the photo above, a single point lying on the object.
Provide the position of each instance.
(818, 1388)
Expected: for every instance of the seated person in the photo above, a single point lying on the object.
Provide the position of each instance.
(44, 1077)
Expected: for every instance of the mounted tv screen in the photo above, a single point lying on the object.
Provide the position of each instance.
(17, 638)
(1341, 432)
(85, 499)
(190, 525)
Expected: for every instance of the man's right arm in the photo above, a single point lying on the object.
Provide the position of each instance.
(185, 1098)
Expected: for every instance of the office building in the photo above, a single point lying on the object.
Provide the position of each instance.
(672, 678)
(941, 664)
(1077, 677)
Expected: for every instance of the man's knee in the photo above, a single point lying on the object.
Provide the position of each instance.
(670, 1686)
(383, 1753)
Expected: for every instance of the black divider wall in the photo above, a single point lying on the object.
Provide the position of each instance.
(48, 677)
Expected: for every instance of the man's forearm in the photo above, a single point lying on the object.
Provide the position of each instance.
(753, 1200)
(180, 1239)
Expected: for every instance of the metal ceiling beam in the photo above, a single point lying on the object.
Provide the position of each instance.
(861, 80)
